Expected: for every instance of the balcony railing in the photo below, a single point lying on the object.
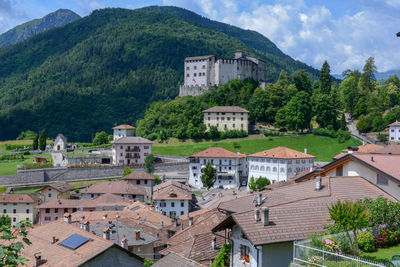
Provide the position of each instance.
(132, 149)
(132, 156)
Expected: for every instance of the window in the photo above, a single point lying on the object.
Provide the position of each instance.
(208, 118)
(145, 181)
(14, 211)
(244, 251)
(217, 124)
(268, 169)
(274, 169)
(56, 218)
(241, 118)
(163, 204)
(137, 181)
(289, 161)
(241, 125)
(164, 213)
(121, 147)
(230, 162)
(303, 161)
(74, 209)
(199, 74)
(204, 66)
(222, 118)
(47, 211)
(262, 168)
(297, 161)
(47, 218)
(182, 212)
(212, 161)
(146, 147)
(187, 75)
(56, 210)
(289, 170)
(339, 171)
(27, 210)
(182, 203)
(4, 211)
(172, 214)
(49, 195)
(65, 210)
(233, 118)
(14, 219)
(172, 204)
(381, 180)
(91, 195)
(194, 75)
(233, 125)
(223, 113)
(187, 68)
(217, 118)
(195, 67)
(228, 118)
(282, 169)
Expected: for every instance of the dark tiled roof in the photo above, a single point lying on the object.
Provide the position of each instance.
(137, 175)
(226, 109)
(176, 260)
(114, 187)
(60, 186)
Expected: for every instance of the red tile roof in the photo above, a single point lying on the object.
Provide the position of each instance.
(388, 164)
(17, 198)
(172, 192)
(59, 186)
(123, 127)
(390, 149)
(396, 123)
(368, 148)
(139, 175)
(114, 187)
(217, 152)
(282, 153)
(176, 260)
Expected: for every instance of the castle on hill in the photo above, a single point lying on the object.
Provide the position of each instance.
(204, 72)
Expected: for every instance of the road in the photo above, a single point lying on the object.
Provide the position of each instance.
(353, 130)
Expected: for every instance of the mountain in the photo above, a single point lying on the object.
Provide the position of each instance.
(30, 28)
(379, 75)
(108, 67)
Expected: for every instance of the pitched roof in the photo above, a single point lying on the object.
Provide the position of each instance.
(59, 186)
(226, 109)
(396, 123)
(137, 175)
(58, 255)
(62, 137)
(123, 127)
(389, 164)
(217, 152)
(132, 140)
(294, 218)
(281, 152)
(172, 192)
(114, 187)
(368, 148)
(17, 198)
(390, 149)
(103, 200)
(177, 260)
(171, 182)
(199, 57)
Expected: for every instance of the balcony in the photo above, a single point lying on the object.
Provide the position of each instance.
(132, 149)
(132, 156)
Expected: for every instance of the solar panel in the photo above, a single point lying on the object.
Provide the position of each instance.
(135, 208)
(74, 241)
(205, 202)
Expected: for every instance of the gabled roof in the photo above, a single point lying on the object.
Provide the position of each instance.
(17, 198)
(199, 57)
(132, 140)
(368, 148)
(390, 149)
(226, 109)
(169, 183)
(294, 219)
(176, 260)
(217, 152)
(396, 123)
(123, 127)
(114, 187)
(139, 175)
(281, 152)
(172, 192)
(62, 137)
(59, 186)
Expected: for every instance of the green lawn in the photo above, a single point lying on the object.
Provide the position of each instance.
(382, 254)
(9, 167)
(324, 148)
(82, 184)
(28, 191)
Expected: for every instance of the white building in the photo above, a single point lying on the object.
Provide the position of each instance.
(130, 150)
(172, 198)
(60, 144)
(226, 118)
(278, 164)
(394, 132)
(203, 72)
(123, 130)
(231, 167)
(19, 207)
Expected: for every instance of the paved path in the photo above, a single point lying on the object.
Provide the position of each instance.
(353, 130)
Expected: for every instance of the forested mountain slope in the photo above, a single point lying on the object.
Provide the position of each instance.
(108, 67)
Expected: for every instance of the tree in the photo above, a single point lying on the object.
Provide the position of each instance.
(362, 125)
(223, 257)
(302, 81)
(27, 135)
(324, 110)
(367, 79)
(325, 78)
(100, 138)
(349, 94)
(35, 144)
(5, 220)
(299, 112)
(350, 216)
(148, 263)
(383, 212)
(208, 175)
(261, 183)
(127, 171)
(149, 163)
(10, 251)
(42, 140)
(342, 123)
(213, 133)
(157, 180)
(252, 184)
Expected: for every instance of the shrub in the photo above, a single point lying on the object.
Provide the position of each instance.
(271, 133)
(366, 241)
(325, 132)
(342, 136)
(380, 241)
(389, 235)
(382, 137)
(363, 125)
(151, 137)
(331, 245)
(344, 243)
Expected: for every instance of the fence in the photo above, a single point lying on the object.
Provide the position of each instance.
(309, 256)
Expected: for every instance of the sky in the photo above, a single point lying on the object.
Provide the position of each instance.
(343, 32)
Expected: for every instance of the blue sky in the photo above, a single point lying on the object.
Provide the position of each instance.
(344, 32)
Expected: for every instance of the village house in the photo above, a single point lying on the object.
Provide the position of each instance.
(130, 150)
(59, 190)
(204, 72)
(143, 179)
(172, 198)
(119, 188)
(262, 227)
(226, 118)
(60, 143)
(394, 132)
(123, 130)
(176, 260)
(62, 244)
(19, 207)
(278, 164)
(55, 209)
(231, 167)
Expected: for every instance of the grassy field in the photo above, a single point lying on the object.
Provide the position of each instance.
(324, 148)
(82, 184)
(382, 254)
(9, 167)
(13, 142)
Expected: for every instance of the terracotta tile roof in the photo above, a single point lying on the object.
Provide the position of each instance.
(103, 200)
(396, 123)
(172, 192)
(137, 175)
(171, 182)
(114, 187)
(132, 140)
(217, 152)
(390, 149)
(226, 109)
(176, 260)
(368, 148)
(388, 164)
(282, 153)
(59, 186)
(17, 198)
(57, 255)
(340, 155)
(294, 219)
(123, 127)
(211, 201)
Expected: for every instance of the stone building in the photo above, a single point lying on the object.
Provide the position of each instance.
(60, 144)
(204, 72)
(59, 190)
(119, 188)
(123, 130)
(130, 150)
(394, 132)
(142, 179)
(226, 118)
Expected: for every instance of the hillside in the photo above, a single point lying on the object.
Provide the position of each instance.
(108, 67)
(30, 28)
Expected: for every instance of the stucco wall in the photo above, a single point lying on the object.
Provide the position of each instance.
(23, 211)
(277, 255)
(177, 207)
(237, 241)
(227, 120)
(113, 257)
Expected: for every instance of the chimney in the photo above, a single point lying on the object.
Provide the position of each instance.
(318, 183)
(174, 222)
(137, 235)
(214, 243)
(124, 243)
(86, 226)
(190, 221)
(104, 216)
(259, 199)
(53, 240)
(305, 150)
(38, 259)
(265, 216)
(265, 154)
(257, 215)
(67, 217)
(162, 223)
(372, 158)
(181, 226)
(106, 233)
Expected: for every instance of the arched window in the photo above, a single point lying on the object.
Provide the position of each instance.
(268, 169)
(262, 168)
(256, 167)
(282, 169)
(289, 170)
(252, 167)
(274, 169)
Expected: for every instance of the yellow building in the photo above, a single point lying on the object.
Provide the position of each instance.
(226, 118)
(19, 207)
(60, 190)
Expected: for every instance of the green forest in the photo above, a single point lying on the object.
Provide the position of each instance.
(107, 68)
